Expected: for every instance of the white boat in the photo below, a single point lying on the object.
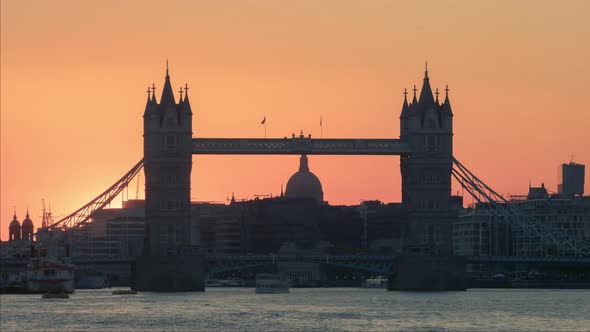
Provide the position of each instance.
(49, 274)
(270, 283)
(379, 282)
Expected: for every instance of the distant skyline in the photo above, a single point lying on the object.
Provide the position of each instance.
(74, 76)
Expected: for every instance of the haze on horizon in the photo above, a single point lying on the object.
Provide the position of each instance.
(74, 76)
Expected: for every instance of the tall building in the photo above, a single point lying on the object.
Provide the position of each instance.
(427, 126)
(571, 179)
(168, 163)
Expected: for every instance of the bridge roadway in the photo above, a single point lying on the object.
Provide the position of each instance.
(377, 264)
(299, 145)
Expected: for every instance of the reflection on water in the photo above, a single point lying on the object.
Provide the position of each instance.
(303, 309)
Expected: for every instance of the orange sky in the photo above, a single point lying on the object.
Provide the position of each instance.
(74, 74)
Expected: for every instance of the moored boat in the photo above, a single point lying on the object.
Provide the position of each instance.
(379, 282)
(56, 295)
(124, 292)
(49, 274)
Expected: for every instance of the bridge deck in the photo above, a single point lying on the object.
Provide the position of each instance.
(299, 145)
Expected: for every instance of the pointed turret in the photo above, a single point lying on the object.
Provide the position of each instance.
(446, 106)
(167, 94)
(186, 105)
(426, 98)
(150, 104)
(405, 107)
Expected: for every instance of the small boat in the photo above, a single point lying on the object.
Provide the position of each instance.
(124, 292)
(270, 283)
(379, 282)
(56, 295)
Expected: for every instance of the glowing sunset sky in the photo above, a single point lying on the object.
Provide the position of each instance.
(74, 75)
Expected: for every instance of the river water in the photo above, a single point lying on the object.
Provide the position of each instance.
(305, 309)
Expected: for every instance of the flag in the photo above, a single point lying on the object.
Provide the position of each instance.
(320, 120)
(263, 120)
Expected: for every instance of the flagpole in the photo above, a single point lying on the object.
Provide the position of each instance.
(321, 128)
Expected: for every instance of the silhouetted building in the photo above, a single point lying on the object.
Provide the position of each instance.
(113, 232)
(482, 232)
(304, 184)
(167, 165)
(427, 126)
(571, 179)
(14, 229)
(538, 192)
(27, 228)
(221, 227)
(382, 226)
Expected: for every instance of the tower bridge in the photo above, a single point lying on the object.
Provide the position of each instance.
(425, 147)
(298, 145)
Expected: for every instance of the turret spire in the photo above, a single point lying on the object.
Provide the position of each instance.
(405, 106)
(167, 94)
(447, 103)
(414, 99)
(153, 92)
(426, 92)
(180, 92)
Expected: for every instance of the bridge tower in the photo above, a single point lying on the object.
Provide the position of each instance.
(168, 162)
(426, 125)
(166, 265)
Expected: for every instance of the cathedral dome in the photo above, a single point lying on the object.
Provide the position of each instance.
(304, 184)
(27, 223)
(14, 224)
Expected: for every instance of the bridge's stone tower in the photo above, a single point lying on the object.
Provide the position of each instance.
(168, 162)
(427, 126)
(169, 263)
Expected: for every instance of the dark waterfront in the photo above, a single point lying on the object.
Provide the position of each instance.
(306, 309)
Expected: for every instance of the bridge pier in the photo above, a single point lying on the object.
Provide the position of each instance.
(170, 273)
(428, 273)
